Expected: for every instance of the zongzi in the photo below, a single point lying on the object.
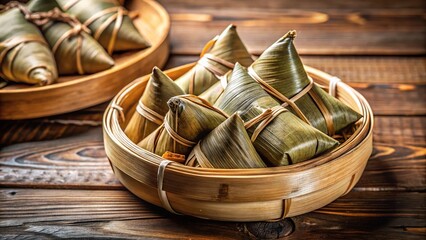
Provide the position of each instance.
(243, 91)
(223, 52)
(109, 23)
(189, 119)
(152, 106)
(24, 54)
(74, 49)
(214, 92)
(227, 146)
(281, 138)
(280, 71)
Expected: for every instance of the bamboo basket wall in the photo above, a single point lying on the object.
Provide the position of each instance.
(236, 194)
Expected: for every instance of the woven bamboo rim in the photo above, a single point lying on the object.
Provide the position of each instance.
(236, 194)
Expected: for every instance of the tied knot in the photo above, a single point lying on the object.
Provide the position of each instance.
(79, 28)
(292, 34)
(263, 119)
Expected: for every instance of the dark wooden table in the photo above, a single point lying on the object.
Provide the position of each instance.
(56, 181)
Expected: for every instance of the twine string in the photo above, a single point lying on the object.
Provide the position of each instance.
(264, 119)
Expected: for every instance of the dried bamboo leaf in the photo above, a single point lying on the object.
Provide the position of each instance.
(188, 120)
(74, 49)
(281, 138)
(109, 23)
(213, 93)
(243, 91)
(24, 54)
(227, 49)
(152, 106)
(281, 68)
(227, 146)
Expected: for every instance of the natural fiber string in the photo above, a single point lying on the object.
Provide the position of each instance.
(69, 4)
(264, 119)
(149, 114)
(119, 109)
(16, 43)
(291, 102)
(204, 61)
(41, 19)
(324, 112)
(176, 137)
(280, 96)
(76, 31)
(202, 160)
(333, 85)
(204, 103)
(118, 15)
(173, 133)
(328, 118)
(161, 193)
(15, 4)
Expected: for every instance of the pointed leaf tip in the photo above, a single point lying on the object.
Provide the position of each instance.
(42, 76)
(291, 34)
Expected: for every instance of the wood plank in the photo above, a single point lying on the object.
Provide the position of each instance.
(394, 99)
(79, 161)
(400, 130)
(327, 29)
(301, 4)
(54, 127)
(118, 214)
(371, 69)
(73, 162)
(354, 69)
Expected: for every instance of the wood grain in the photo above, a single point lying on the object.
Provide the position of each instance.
(74, 162)
(388, 202)
(301, 4)
(79, 161)
(49, 128)
(328, 29)
(118, 214)
(354, 69)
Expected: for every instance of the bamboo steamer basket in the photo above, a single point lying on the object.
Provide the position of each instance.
(72, 93)
(237, 194)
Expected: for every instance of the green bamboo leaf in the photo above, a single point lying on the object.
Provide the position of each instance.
(26, 56)
(281, 67)
(229, 47)
(287, 139)
(227, 146)
(106, 12)
(76, 53)
(152, 106)
(243, 91)
(189, 118)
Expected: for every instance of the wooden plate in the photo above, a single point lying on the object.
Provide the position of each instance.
(71, 93)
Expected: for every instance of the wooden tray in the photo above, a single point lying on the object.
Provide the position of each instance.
(235, 194)
(71, 93)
